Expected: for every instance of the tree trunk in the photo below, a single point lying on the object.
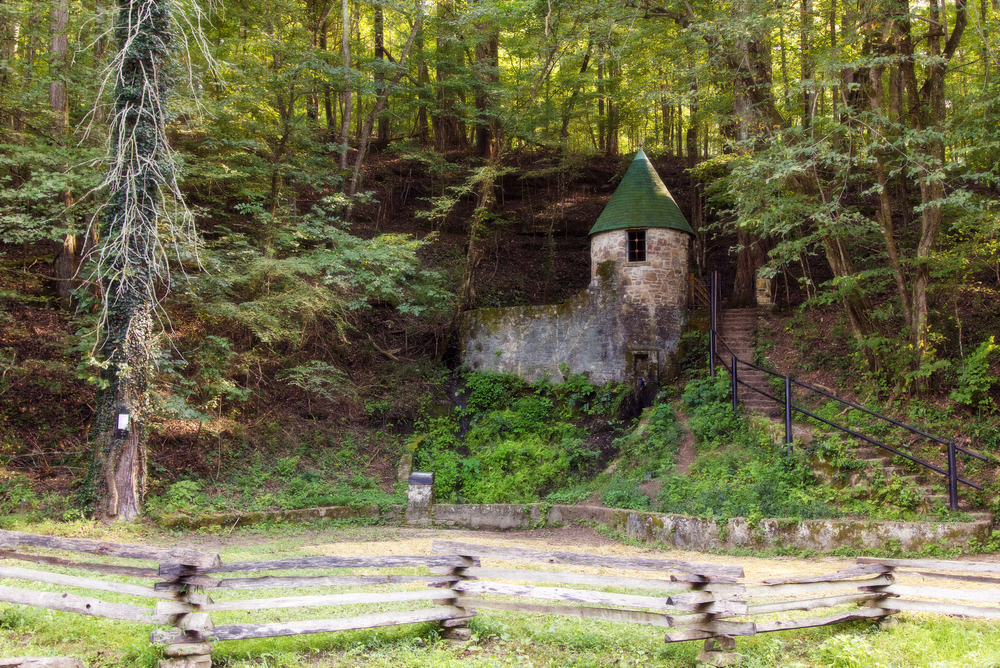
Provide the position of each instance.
(382, 140)
(750, 257)
(567, 113)
(487, 76)
(611, 85)
(601, 120)
(329, 109)
(67, 257)
(927, 112)
(58, 52)
(423, 92)
(139, 174)
(380, 104)
(448, 132)
(805, 58)
(345, 47)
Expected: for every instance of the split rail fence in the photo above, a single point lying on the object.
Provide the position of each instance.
(692, 601)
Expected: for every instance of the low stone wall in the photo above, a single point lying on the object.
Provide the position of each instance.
(681, 531)
(699, 533)
(234, 519)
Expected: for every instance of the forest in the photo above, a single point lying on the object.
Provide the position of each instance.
(250, 228)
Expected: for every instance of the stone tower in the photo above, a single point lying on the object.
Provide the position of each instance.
(643, 239)
(626, 325)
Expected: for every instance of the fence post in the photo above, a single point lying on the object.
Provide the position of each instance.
(952, 477)
(458, 628)
(190, 647)
(736, 389)
(788, 413)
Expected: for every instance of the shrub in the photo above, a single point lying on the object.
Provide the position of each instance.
(491, 391)
(976, 379)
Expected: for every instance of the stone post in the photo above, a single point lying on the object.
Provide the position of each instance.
(765, 298)
(420, 498)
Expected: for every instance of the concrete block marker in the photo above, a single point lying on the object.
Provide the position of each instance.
(420, 498)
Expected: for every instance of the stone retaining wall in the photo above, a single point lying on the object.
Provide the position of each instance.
(681, 531)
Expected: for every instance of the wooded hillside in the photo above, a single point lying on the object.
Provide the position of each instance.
(351, 177)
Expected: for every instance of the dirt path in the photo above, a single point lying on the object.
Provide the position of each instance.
(687, 454)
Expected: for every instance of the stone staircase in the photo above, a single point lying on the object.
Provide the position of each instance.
(736, 327)
(931, 487)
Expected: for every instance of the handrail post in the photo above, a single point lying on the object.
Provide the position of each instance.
(788, 414)
(711, 352)
(952, 477)
(711, 326)
(711, 306)
(736, 388)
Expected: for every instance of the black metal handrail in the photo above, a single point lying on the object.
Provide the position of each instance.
(714, 340)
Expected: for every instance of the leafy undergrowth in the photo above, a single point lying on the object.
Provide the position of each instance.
(743, 471)
(512, 442)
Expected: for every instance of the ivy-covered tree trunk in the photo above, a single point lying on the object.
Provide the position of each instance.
(140, 171)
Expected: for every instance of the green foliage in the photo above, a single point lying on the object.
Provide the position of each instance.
(318, 378)
(321, 275)
(976, 379)
(711, 416)
(694, 347)
(491, 391)
(652, 447)
(33, 180)
(202, 381)
(706, 391)
(741, 472)
(624, 492)
(520, 445)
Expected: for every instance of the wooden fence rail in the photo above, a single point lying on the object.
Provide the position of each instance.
(693, 601)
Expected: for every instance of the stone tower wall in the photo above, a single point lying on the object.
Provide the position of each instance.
(660, 281)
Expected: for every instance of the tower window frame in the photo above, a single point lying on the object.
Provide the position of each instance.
(635, 247)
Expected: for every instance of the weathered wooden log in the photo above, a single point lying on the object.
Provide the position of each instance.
(935, 564)
(78, 604)
(976, 595)
(812, 604)
(940, 608)
(107, 549)
(167, 570)
(130, 571)
(688, 634)
(294, 582)
(847, 573)
(596, 597)
(277, 629)
(179, 607)
(41, 662)
(188, 649)
(580, 559)
(617, 615)
(81, 583)
(810, 622)
(754, 591)
(983, 579)
(596, 580)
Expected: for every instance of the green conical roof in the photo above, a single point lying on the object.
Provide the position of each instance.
(641, 200)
